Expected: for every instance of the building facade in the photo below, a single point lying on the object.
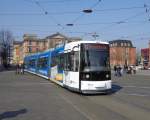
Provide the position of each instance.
(59, 39)
(122, 53)
(32, 44)
(145, 56)
(17, 52)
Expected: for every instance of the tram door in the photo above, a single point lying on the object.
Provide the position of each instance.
(71, 71)
(66, 76)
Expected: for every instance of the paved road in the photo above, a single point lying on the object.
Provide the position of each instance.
(28, 97)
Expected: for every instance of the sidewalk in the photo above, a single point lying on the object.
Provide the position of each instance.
(6, 69)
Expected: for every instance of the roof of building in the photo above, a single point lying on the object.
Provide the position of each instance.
(29, 35)
(36, 40)
(56, 34)
(119, 43)
(61, 36)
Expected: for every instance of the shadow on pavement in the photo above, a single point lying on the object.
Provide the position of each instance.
(115, 88)
(2, 69)
(11, 114)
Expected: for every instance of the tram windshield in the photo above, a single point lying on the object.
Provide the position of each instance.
(95, 57)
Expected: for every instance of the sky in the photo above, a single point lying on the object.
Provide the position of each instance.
(109, 19)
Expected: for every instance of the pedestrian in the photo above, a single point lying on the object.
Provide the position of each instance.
(134, 69)
(131, 69)
(17, 68)
(22, 68)
(119, 71)
(125, 68)
(115, 70)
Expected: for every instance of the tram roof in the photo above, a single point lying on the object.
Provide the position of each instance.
(76, 43)
(84, 41)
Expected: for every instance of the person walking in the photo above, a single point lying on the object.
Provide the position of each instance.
(115, 70)
(22, 68)
(134, 69)
(17, 68)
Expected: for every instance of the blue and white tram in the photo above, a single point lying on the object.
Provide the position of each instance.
(31, 63)
(81, 66)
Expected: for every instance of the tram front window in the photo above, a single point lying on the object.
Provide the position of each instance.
(95, 60)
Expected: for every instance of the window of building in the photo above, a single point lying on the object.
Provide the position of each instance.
(116, 44)
(30, 49)
(44, 43)
(30, 42)
(128, 44)
(121, 44)
(37, 49)
(37, 43)
(125, 44)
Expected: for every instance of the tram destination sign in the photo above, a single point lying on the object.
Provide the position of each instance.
(96, 46)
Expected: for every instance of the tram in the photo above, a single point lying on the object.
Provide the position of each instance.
(82, 66)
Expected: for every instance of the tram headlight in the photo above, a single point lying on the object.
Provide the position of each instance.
(87, 76)
(107, 75)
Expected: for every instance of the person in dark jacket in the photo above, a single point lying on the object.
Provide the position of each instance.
(17, 68)
(115, 70)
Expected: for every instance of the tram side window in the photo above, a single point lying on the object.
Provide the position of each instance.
(32, 63)
(72, 61)
(58, 61)
(54, 61)
(67, 65)
(43, 62)
(61, 62)
(26, 64)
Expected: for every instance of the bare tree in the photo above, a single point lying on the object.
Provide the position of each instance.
(6, 44)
